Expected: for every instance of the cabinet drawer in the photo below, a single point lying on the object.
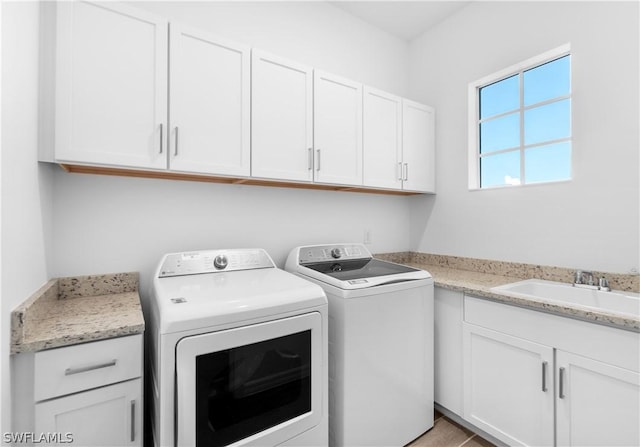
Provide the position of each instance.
(76, 368)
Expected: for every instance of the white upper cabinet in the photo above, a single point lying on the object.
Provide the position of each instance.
(209, 104)
(399, 146)
(281, 118)
(382, 139)
(111, 85)
(418, 147)
(122, 88)
(337, 130)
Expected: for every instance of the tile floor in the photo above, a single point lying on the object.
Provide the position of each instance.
(446, 433)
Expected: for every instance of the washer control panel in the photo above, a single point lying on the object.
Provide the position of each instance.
(326, 253)
(212, 261)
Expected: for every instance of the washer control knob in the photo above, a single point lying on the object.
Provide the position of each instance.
(220, 262)
(336, 253)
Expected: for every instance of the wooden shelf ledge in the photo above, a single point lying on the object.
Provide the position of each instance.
(168, 175)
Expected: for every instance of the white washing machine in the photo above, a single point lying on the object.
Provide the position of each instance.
(380, 344)
(237, 353)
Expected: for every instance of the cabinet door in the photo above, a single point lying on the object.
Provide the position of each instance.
(111, 85)
(418, 147)
(599, 404)
(382, 139)
(448, 318)
(281, 118)
(107, 416)
(508, 386)
(210, 100)
(337, 130)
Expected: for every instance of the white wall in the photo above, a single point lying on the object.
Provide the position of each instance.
(591, 222)
(311, 32)
(26, 186)
(110, 224)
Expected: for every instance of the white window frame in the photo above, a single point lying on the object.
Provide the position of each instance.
(474, 111)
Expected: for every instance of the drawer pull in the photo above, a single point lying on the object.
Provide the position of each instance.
(561, 383)
(544, 377)
(71, 371)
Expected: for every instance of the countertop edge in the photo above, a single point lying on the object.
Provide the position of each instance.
(74, 310)
(60, 342)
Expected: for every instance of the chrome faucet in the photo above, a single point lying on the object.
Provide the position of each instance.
(586, 280)
(580, 276)
(603, 284)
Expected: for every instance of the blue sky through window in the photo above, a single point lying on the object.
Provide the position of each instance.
(548, 163)
(547, 81)
(500, 133)
(500, 97)
(536, 148)
(548, 122)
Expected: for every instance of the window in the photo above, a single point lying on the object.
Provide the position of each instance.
(520, 123)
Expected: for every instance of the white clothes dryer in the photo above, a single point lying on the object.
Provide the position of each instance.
(380, 344)
(237, 352)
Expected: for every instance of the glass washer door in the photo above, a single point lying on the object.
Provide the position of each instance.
(253, 385)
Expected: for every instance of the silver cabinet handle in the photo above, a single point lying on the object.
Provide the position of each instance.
(175, 152)
(561, 384)
(133, 420)
(399, 171)
(544, 377)
(71, 371)
(310, 158)
(406, 172)
(161, 136)
(317, 159)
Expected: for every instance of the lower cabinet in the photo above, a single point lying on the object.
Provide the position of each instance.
(598, 404)
(508, 386)
(87, 395)
(448, 315)
(107, 416)
(526, 372)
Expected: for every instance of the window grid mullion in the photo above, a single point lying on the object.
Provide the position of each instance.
(525, 108)
(525, 147)
(501, 151)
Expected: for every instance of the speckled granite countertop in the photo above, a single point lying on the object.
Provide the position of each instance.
(69, 311)
(477, 277)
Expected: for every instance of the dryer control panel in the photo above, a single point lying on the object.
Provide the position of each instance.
(212, 261)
